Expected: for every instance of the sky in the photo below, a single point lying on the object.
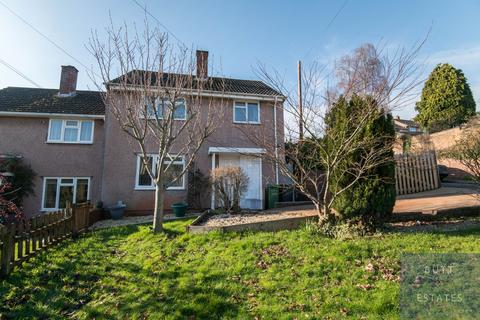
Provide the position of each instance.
(241, 34)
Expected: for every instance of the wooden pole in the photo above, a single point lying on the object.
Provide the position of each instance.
(300, 106)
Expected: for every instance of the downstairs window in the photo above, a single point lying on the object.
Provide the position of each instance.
(174, 167)
(57, 191)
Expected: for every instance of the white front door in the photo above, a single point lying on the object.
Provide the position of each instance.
(252, 166)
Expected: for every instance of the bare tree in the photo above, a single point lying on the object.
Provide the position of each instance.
(466, 150)
(157, 100)
(316, 164)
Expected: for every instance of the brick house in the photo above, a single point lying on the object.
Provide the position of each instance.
(79, 152)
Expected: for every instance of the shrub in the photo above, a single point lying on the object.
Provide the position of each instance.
(22, 181)
(466, 150)
(197, 184)
(9, 211)
(230, 184)
(372, 197)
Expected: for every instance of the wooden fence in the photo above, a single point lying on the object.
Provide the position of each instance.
(22, 240)
(416, 172)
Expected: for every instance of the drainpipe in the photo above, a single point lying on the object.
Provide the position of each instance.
(276, 140)
(212, 205)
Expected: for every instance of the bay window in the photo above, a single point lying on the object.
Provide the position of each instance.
(58, 191)
(70, 131)
(172, 168)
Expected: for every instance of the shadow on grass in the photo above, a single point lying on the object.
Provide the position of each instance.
(90, 277)
(452, 228)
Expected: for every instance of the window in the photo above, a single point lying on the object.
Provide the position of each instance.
(70, 131)
(174, 167)
(162, 108)
(57, 191)
(246, 112)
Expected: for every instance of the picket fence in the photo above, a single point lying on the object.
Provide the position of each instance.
(416, 172)
(22, 240)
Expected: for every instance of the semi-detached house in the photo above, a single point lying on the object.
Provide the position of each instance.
(79, 152)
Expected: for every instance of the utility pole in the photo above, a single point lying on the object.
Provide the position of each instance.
(300, 107)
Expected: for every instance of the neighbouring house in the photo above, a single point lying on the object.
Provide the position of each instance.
(407, 127)
(405, 130)
(76, 146)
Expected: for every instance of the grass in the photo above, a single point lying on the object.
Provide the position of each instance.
(130, 273)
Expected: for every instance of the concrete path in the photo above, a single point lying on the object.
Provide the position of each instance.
(127, 221)
(439, 199)
(427, 202)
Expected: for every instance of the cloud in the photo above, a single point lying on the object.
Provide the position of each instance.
(459, 58)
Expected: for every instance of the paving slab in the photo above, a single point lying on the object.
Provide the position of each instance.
(435, 200)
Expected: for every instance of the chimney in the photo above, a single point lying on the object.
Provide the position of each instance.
(202, 65)
(68, 81)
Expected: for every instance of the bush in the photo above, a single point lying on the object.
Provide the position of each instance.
(230, 184)
(197, 184)
(22, 181)
(342, 230)
(466, 151)
(8, 209)
(372, 197)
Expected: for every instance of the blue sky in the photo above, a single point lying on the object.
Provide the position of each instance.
(239, 34)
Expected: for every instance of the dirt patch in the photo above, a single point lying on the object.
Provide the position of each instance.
(254, 217)
(427, 226)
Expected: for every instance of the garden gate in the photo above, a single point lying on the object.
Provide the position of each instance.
(416, 172)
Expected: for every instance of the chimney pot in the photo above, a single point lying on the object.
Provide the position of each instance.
(68, 81)
(202, 65)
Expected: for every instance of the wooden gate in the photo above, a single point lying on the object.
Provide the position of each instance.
(416, 172)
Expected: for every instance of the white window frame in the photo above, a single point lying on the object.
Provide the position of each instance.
(59, 184)
(160, 116)
(154, 160)
(246, 102)
(62, 131)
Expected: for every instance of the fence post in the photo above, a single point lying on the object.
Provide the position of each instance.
(73, 209)
(7, 250)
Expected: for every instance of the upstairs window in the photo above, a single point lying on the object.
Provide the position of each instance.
(70, 131)
(160, 108)
(246, 112)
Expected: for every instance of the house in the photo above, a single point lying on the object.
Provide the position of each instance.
(406, 127)
(79, 152)
(404, 131)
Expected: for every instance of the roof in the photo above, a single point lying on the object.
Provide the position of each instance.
(35, 100)
(216, 84)
(409, 123)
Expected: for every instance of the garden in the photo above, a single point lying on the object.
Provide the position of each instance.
(132, 273)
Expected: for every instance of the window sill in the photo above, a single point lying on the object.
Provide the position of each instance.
(245, 122)
(160, 119)
(137, 188)
(66, 142)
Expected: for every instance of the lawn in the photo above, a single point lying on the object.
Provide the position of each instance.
(129, 273)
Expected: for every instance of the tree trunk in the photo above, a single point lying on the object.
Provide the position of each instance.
(158, 211)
